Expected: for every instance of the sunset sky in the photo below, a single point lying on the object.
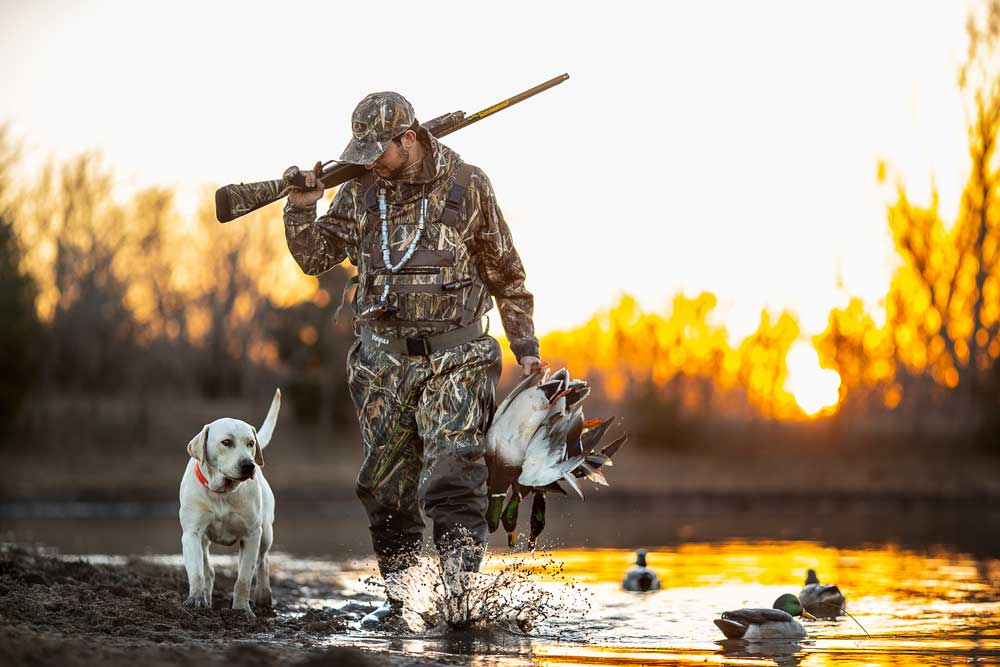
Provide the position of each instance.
(722, 146)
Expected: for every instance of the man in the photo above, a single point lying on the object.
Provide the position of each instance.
(432, 251)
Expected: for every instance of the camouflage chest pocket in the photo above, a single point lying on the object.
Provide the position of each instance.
(439, 283)
(418, 289)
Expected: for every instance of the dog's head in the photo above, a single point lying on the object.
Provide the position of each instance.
(229, 451)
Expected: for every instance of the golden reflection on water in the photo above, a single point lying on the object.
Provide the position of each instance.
(935, 607)
(931, 608)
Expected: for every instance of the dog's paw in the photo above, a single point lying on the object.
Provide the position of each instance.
(199, 601)
(247, 612)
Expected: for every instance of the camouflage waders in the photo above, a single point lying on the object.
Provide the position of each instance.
(423, 422)
(423, 409)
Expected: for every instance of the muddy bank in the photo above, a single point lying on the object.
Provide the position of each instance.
(70, 612)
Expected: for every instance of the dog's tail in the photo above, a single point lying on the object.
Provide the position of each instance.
(267, 428)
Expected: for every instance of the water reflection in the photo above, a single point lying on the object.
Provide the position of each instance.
(781, 653)
(932, 608)
(936, 606)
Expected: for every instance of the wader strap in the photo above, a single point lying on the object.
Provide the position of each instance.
(452, 213)
(422, 346)
(353, 280)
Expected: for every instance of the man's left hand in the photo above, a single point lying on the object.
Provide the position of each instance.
(529, 365)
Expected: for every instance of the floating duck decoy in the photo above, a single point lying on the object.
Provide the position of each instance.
(822, 600)
(640, 578)
(539, 441)
(758, 624)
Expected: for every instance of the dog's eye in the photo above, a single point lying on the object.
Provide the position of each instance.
(227, 443)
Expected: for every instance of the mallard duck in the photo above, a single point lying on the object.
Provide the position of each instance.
(539, 440)
(822, 600)
(640, 578)
(757, 624)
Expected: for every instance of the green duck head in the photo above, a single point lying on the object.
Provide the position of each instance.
(790, 604)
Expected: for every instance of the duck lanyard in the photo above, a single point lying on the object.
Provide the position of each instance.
(383, 213)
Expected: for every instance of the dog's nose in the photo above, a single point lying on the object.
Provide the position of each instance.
(247, 468)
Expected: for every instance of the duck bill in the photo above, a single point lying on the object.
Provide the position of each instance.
(806, 614)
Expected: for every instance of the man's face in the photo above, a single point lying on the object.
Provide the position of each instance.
(395, 158)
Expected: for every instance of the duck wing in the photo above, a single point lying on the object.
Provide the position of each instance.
(539, 429)
(822, 599)
(512, 430)
(576, 391)
(731, 629)
(757, 616)
(593, 460)
(574, 441)
(555, 384)
(546, 459)
(535, 377)
(592, 436)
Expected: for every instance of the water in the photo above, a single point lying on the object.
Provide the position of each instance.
(928, 592)
(933, 608)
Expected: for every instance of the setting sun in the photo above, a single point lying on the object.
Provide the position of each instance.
(816, 389)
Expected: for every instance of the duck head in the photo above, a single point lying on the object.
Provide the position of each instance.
(640, 558)
(811, 577)
(790, 604)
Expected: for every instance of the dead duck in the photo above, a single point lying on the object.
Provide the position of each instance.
(763, 624)
(539, 441)
(821, 600)
(640, 578)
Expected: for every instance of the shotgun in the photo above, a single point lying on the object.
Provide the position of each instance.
(234, 201)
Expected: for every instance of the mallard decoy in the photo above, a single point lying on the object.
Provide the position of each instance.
(757, 624)
(640, 578)
(538, 441)
(822, 600)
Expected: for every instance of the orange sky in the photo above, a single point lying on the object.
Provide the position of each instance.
(722, 146)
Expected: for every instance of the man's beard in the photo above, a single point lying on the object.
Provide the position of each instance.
(406, 170)
(394, 174)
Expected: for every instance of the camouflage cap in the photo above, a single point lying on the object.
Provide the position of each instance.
(377, 120)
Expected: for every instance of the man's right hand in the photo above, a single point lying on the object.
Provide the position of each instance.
(313, 191)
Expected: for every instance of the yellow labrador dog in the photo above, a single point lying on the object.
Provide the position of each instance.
(226, 500)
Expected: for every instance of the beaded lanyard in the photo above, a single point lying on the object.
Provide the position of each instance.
(383, 214)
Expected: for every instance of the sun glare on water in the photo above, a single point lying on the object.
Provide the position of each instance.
(816, 389)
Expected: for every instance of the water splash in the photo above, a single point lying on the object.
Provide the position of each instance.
(509, 597)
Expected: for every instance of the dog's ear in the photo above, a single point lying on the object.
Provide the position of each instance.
(198, 447)
(258, 451)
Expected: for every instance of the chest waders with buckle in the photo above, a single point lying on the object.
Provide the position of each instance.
(457, 315)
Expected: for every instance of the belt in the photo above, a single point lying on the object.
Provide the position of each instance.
(423, 346)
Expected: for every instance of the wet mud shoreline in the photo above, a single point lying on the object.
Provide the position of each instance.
(72, 612)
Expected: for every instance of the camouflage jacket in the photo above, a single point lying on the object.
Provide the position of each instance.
(479, 247)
